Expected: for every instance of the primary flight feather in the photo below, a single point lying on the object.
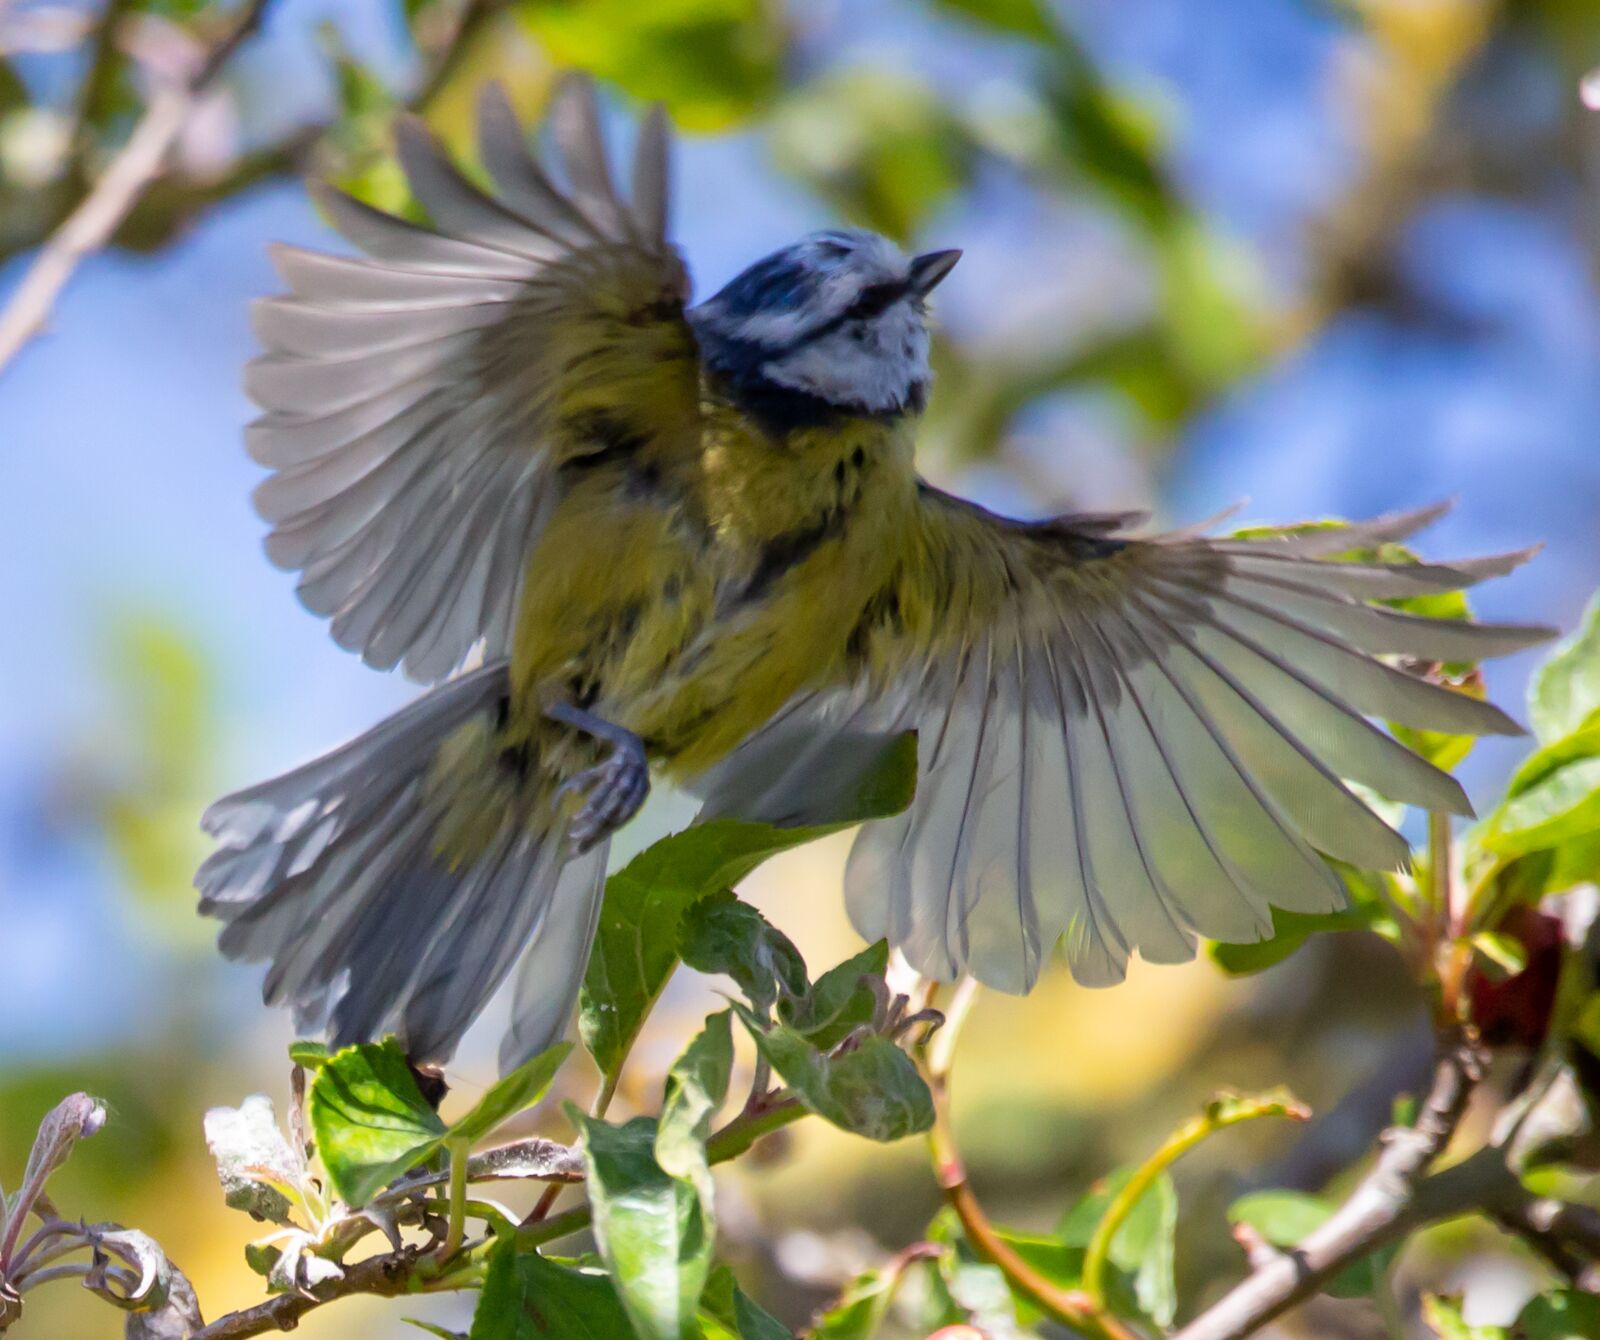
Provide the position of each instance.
(692, 540)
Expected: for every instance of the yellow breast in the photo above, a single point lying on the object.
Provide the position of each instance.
(690, 615)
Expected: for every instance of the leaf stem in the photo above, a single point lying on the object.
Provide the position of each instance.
(1442, 896)
(608, 1091)
(1449, 915)
(1069, 1307)
(1221, 1112)
(460, 1151)
(749, 1126)
(728, 1143)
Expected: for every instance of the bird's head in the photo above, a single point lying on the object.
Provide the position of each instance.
(836, 322)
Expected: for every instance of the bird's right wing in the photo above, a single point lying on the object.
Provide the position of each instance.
(420, 403)
(1125, 743)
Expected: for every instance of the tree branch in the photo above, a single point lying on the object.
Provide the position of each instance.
(137, 164)
(136, 200)
(385, 1276)
(1073, 1308)
(413, 1269)
(1392, 1199)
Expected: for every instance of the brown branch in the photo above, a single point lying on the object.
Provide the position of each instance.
(137, 164)
(1395, 1197)
(1071, 1307)
(415, 1269)
(1555, 1221)
(135, 200)
(385, 1276)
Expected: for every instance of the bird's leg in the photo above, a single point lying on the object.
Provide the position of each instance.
(614, 788)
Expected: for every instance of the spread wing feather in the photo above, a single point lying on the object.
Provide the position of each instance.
(414, 399)
(1126, 744)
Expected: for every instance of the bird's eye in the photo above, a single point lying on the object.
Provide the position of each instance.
(875, 299)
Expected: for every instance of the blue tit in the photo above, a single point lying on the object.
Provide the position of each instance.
(690, 541)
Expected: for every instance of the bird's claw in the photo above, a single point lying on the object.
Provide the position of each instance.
(613, 791)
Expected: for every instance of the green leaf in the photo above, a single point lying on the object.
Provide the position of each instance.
(513, 1093)
(1144, 1244)
(369, 1119)
(1566, 689)
(1290, 930)
(712, 62)
(1505, 954)
(526, 1295)
(1586, 1023)
(1565, 1314)
(1563, 806)
(872, 1090)
(728, 1313)
(755, 1322)
(1284, 1218)
(310, 1055)
(654, 1233)
(372, 1124)
(1544, 836)
(861, 1307)
(261, 1257)
(840, 1001)
(696, 1086)
(13, 92)
(635, 948)
(720, 934)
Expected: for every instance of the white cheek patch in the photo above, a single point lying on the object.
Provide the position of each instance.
(871, 364)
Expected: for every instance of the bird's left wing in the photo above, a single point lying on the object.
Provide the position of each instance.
(420, 403)
(1127, 743)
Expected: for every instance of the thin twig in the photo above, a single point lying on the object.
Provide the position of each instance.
(1070, 1307)
(1217, 1115)
(408, 1270)
(136, 196)
(1393, 1198)
(384, 1276)
(460, 1152)
(137, 164)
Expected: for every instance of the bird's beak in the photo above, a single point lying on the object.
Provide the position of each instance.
(929, 268)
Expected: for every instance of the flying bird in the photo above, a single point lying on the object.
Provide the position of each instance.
(622, 536)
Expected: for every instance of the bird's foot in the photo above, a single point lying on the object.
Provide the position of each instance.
(614, 789)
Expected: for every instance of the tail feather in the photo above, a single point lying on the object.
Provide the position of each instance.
(552, 969)
(339, 876)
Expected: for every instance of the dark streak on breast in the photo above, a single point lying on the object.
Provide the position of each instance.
(790, 549)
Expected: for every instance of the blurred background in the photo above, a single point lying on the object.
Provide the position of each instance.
(1328, 256)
